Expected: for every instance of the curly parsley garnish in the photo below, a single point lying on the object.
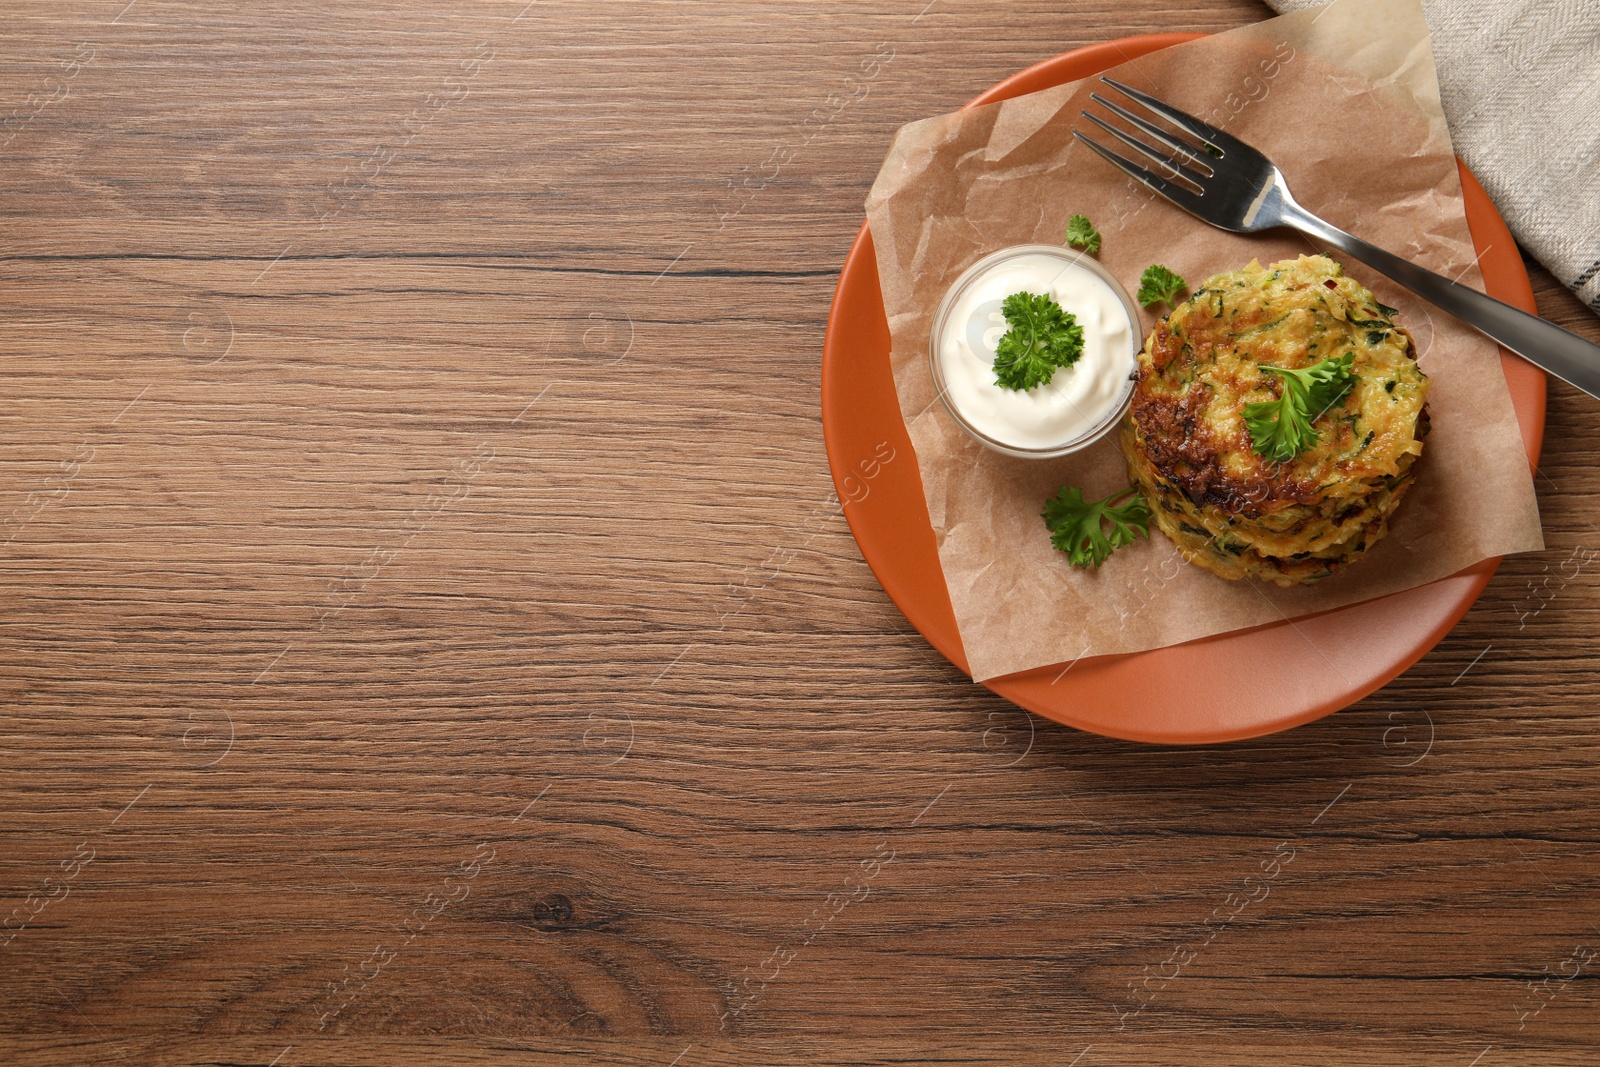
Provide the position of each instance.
(1281, 429)
(1157, 283)
(1078, 527)
(1042, 337)
(1082, 234)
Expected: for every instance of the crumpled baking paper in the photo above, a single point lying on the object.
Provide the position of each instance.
(1345, 101)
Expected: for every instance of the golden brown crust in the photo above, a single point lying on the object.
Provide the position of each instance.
(1189, 447)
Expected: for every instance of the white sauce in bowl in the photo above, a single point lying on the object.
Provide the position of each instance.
(1080, 402)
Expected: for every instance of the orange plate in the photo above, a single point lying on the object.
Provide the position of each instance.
(1250, 682)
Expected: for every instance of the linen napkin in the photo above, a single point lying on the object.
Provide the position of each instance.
(1520, 84)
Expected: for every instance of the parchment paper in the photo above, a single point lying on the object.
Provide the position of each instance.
(1344, 100)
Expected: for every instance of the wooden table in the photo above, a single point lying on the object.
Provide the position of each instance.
(430, 637)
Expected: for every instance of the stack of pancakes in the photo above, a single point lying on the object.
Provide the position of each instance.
(1189, 450)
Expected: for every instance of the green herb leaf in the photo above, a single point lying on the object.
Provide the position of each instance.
(1157, 283)
(1078, 527)
(1042, 337)
(1082, 234)
(1281, 429)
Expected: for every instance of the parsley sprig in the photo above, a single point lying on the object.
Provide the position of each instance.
(1281, 429)
(1042, 337)
(1157, 283)
(1082, 234)
(1077, 527)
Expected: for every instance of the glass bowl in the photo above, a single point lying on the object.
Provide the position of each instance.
(1111, 394)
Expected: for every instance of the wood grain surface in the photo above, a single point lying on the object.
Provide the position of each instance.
(429, 636)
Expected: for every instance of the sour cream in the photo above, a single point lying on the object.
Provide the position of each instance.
(1080, 403)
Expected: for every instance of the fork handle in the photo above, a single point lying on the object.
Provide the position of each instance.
(1561, 352)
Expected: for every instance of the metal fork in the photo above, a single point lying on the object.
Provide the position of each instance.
(1231, 185)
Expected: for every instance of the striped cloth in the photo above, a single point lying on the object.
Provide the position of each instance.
(1520, 84)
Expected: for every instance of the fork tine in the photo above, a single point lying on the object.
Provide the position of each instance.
(1170, 163)
(1176, 193)
(1154, 132)
(1222, 142)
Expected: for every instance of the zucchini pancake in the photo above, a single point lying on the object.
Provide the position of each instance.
(1190, 451)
